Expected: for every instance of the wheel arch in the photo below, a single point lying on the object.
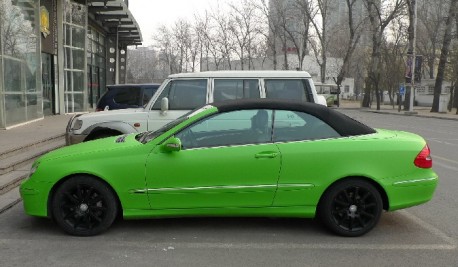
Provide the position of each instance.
(114, 128)
(56, 185)
(380, 189)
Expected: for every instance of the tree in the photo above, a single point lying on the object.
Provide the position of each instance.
(319, 24)
(243, 29)
(444, 53)
(380, 15)
(350, 41)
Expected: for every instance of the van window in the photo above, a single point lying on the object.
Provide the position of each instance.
(292, 89)
(229, 89)
(184, 94)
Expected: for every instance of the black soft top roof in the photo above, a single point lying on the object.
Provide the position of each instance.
(343, 124)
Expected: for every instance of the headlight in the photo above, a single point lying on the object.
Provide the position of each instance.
(77, 125)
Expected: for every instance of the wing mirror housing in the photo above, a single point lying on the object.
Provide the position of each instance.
(172, 144)
(164, 105)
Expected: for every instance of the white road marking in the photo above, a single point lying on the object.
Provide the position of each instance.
(449, 243)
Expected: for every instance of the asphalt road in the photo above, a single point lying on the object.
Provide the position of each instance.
(420, 236)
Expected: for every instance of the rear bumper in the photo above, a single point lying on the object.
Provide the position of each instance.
(408, 193)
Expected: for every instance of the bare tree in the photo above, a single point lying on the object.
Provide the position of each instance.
(444, 54)
(350, 41)
(380, 13)
(272, 33)
(430, 30)
(319, 23)
(243, 30)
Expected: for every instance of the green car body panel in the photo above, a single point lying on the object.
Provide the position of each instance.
(273, 179)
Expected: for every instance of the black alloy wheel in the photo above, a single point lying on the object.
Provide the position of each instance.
(84, 206)
(351, 207)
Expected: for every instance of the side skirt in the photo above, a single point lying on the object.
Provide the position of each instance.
(288, 212)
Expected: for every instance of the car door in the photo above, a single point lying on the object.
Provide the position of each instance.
(308, 147)
(183, 95)
(225, 161)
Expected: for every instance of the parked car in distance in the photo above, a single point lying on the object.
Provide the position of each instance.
(260, 157)
(183, 92)
(121, 96)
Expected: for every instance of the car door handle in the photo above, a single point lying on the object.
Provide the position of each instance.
(266, 155)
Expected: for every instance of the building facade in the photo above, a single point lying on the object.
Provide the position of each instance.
(57, 56)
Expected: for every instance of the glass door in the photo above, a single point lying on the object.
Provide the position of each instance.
(48, 84)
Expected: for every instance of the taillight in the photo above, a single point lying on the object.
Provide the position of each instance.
(423, 159)
(98, 109)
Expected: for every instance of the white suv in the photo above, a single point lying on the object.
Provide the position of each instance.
(180, 93)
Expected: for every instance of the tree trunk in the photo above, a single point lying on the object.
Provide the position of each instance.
(444, 53)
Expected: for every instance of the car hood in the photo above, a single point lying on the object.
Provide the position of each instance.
(92, 147)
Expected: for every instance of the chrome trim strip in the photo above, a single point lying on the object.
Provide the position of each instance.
(142, 191)
(415, 181)
(296, 185)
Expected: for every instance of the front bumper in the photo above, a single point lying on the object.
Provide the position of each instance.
(35, 197)
(70, 137)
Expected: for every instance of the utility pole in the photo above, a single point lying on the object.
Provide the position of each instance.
(413, 54)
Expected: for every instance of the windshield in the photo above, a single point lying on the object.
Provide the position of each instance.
(147, 136)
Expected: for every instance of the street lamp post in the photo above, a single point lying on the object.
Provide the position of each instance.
(412, 79)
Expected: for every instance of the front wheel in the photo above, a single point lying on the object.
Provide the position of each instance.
(351, 207)
(84, 206)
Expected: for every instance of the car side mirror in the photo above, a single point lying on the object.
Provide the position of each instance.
(164, 105)
(171, 145)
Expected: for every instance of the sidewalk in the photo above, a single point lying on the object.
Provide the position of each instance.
(32, 133)
(388, 109)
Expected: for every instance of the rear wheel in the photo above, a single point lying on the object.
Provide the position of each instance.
(351, 207)
(84, 206)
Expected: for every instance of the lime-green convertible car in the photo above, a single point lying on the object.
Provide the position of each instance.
(237, 158)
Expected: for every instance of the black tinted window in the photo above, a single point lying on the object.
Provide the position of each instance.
(292, 89)
(296, 126)
(228, 89)
(127, 96)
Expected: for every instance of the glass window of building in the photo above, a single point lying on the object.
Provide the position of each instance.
(20, 73)
(75, 21)
(96, 74)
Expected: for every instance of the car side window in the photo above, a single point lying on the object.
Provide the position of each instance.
(184, 94)
(228, 89)
(228, 129)
(292, 89)
(297, 126)
(127, 96)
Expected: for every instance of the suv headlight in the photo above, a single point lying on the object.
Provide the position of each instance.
(77, 125)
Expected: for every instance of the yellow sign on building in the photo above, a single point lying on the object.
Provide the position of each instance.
(44, 21)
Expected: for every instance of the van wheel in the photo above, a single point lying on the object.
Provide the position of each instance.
(351, 207)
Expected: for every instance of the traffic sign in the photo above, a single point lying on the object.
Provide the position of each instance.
(402, 90)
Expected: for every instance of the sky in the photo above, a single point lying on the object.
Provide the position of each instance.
(150, 14)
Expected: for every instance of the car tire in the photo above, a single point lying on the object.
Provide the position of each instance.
(84, 206)
(351, 207)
